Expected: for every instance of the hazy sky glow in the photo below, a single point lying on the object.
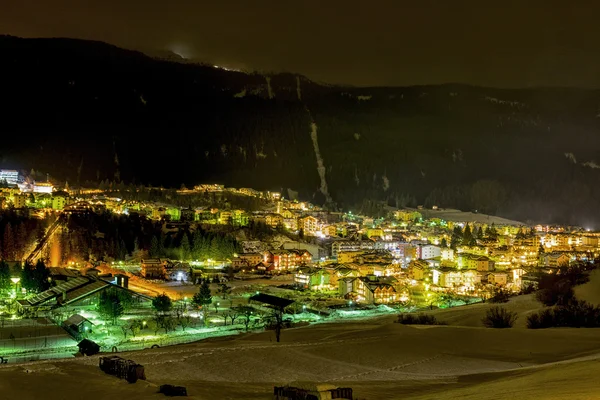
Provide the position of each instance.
(391, 42)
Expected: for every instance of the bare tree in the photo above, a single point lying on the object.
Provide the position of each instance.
(185, 321)
(124, 329)
(135, 327)
(245, 312)
(233, 315)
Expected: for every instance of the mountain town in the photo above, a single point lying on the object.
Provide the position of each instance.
(130, 267)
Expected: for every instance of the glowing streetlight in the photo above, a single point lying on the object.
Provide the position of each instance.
(15, 280)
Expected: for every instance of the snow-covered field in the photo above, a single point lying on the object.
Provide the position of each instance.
(378, 358)
(467, 216)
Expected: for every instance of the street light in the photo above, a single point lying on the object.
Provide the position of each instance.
(16, 282)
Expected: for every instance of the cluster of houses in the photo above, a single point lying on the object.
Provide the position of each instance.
(272, 261)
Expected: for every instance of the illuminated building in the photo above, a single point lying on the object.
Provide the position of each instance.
(43, 187)
(19, 201)
(428, 251)
(368, 290)
(312, 278)
(11, 176)
(309, 224)
(154, 268)
(58, 202)
(273, 220)
(473, 261)
(245, 260)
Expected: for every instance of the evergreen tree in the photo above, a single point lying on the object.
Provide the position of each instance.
(27, 277)
(121, 250)
(492, 233)
(444, 243)
(483, 232)
(109, 306)
(5, 282)
(21, 241)
(8, 242)
(41, 276)
(154, 251)
(161, 245)
(162, 303)
(203, 299)
(467, 235)
(215, 250)
(184, 248)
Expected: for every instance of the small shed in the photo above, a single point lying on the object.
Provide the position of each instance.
(88, 348)
(78, 324)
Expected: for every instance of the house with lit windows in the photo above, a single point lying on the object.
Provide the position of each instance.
(369, 290)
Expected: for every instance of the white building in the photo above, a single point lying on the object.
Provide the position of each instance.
(42, 187)
(11, 176)
(428, 251)
(447, 254)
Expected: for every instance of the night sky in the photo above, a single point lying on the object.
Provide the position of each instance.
(494, 43)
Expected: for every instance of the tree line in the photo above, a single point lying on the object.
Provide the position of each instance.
(33, 278)
(104, 236)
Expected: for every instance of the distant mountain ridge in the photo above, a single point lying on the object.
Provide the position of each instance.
(91, 111)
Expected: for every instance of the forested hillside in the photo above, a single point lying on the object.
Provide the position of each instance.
(88, 111)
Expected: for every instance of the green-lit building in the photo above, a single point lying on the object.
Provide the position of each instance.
(174, 213)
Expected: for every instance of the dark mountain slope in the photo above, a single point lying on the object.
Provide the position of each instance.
(90, 111)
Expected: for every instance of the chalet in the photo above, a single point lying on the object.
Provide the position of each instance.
(555, 259)
(418, 269)
(288, 259)
(178, 272)
(497, 278)
(265, 268)
(154, 268)
(273, 220)
(245, 260)
(370, 290)
(309, 224)
(312, 278)
(455, 278)
(341, 271)
(475, 261)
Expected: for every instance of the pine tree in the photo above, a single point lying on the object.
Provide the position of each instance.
(184, 248)
(21, 241)
(203, 299)
(27, 277)
(467, 235)
(215, 250)
(5, 281)
(197, 245)
(109, 306)
(161, 245)
(41, 276)
(8, 242)
(154, 252)
(162, 303)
